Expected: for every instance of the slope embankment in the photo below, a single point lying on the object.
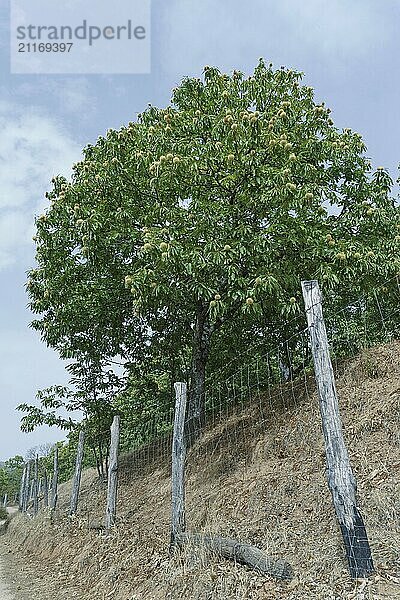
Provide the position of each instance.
(265, 486)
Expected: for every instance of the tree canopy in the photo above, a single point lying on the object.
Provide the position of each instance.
(199, 220)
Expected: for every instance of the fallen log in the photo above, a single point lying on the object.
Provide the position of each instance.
(237, 551)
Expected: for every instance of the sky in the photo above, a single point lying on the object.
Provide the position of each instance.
(348, 51)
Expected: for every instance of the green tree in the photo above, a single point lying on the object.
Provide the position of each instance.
(90, 395)
(202, 218)
(10, 476)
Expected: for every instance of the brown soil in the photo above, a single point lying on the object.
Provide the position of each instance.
(5, 589)
(260, 480)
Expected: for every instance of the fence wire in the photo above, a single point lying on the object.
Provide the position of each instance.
(269, 375)
(256, 472)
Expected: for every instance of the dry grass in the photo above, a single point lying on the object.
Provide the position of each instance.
(259, 481)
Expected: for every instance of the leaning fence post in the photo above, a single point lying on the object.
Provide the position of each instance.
(111, 509)
(5, 500)
(178, 464)
(54, 482)
(36, 487)
(78, 472)
(341, 480)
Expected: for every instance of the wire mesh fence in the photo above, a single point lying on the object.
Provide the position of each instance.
(261, 438)
(256, 473)
(268, 376)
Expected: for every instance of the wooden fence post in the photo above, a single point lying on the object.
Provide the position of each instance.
(25, 495)
(111, 510)
(78, 472)
(5, 500)
(341, 480)
(178, 465)
(54, 482)
(36, 487)
(22, 489)
(32, 488)
(45, 490)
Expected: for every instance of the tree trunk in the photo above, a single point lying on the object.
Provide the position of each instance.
(97, 461)
(107, 469)
(103, 474)
(101, 460)
(195, 419)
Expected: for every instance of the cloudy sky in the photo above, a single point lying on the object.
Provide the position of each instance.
(348, 50)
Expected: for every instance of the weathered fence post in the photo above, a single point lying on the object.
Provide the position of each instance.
(36, 487)
(178, 464)
(54, 482)
(111, 510)
(5, 500)
(78, 471)
(25, 494)
(32, 488)
(45, 490)
(341, 480)
(22, 489)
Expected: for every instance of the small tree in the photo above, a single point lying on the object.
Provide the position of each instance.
(89, 394)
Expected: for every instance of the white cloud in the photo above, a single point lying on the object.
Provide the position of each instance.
(33, 148)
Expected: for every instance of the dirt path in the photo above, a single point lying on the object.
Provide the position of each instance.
(22, 579)
(5, 592)
(15, 581)
(19, 581)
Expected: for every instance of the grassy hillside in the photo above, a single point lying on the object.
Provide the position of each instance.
(264, 485)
